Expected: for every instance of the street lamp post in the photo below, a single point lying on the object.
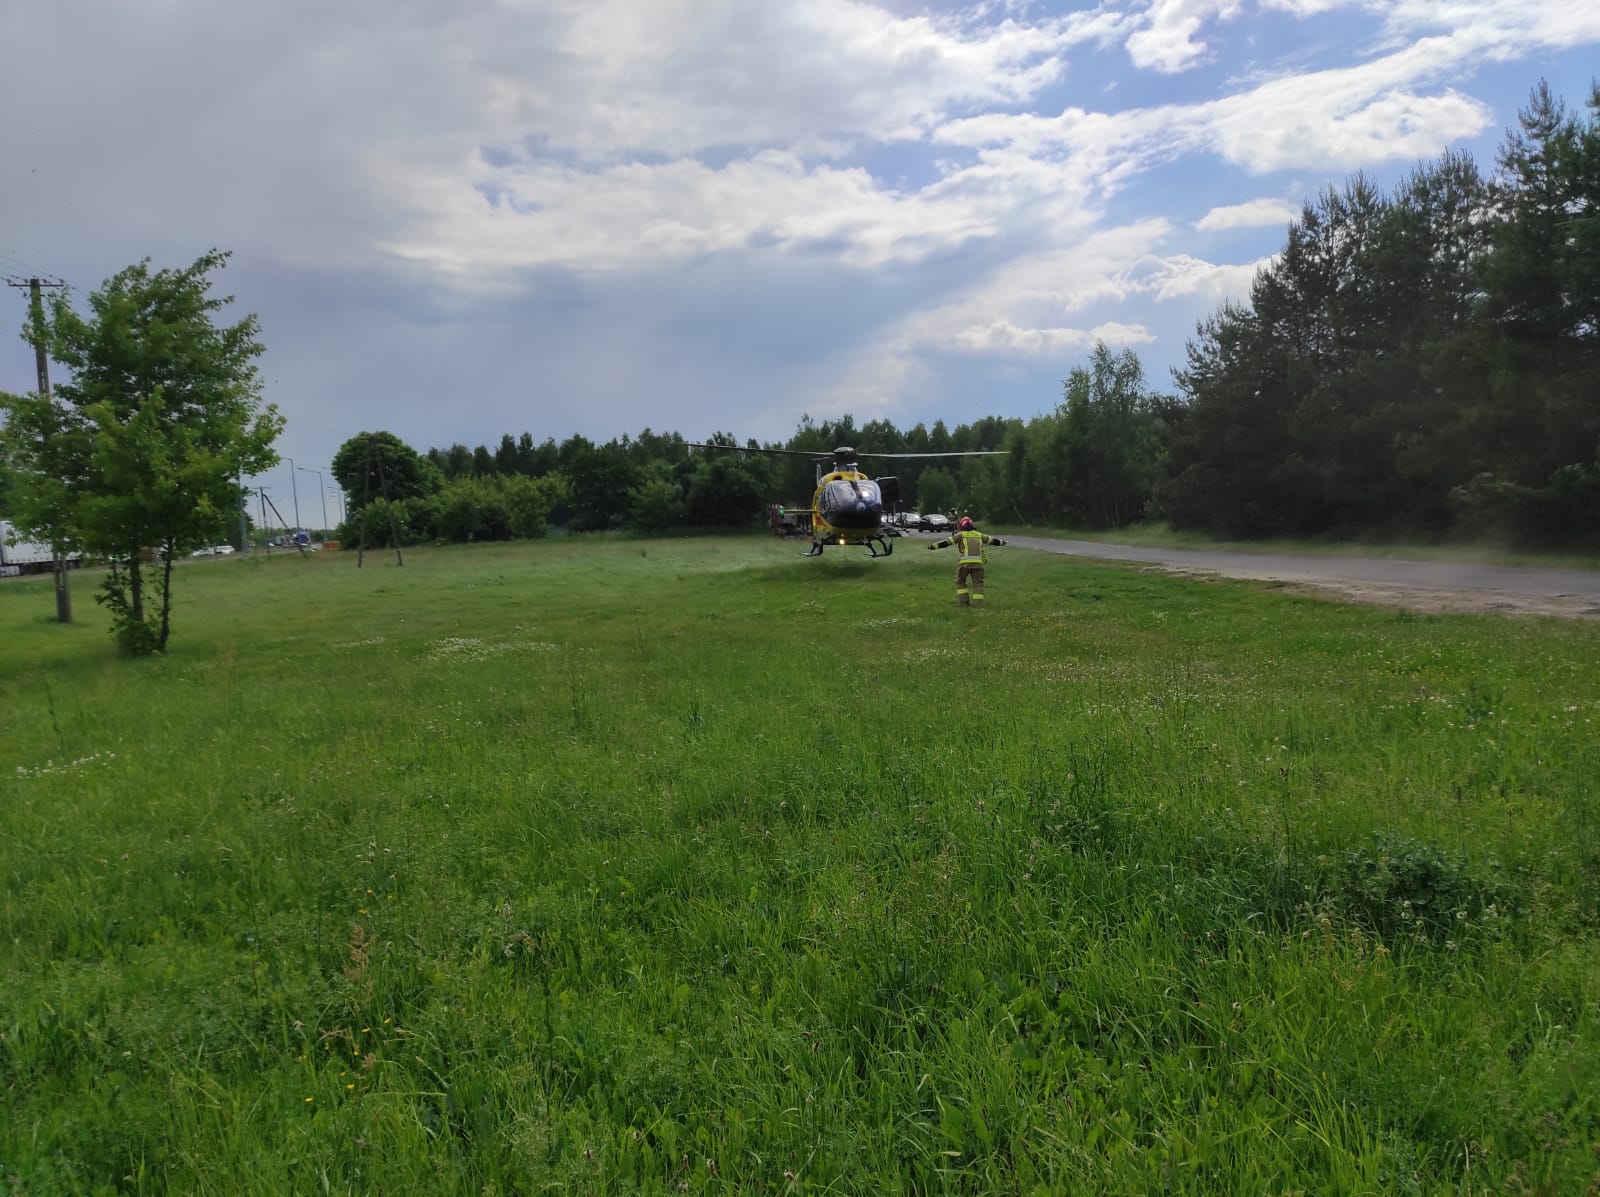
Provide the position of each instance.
(342, 516)
(294, 490)
(324, 490)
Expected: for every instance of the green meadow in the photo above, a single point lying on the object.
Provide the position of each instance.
(654, 866)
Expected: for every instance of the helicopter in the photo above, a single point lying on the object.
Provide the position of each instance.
(847, 506)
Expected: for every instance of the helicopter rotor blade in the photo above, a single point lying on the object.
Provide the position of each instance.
(967, 453)
(844, 451)
(814, 454)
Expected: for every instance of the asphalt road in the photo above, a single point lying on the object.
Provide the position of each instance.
(1574, 591)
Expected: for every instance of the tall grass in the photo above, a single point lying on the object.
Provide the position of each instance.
(691, 866)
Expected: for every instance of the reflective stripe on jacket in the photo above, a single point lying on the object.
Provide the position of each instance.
(971, 546)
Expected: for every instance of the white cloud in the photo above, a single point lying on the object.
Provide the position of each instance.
(1330, 119)
(1181, 276)
(1257, 213)
(674, 77)
(1001, 336)
(1306, 8)
(1509, 28)
(1023, 305)
(633, 213)
(1166, 41)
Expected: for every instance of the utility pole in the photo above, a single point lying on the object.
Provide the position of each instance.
(36, 286)
(244, 514)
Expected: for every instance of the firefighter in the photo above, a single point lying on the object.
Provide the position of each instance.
(969, 572)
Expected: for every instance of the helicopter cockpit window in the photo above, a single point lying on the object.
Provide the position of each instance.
(851, 504)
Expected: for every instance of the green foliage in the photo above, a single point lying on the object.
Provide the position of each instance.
(599, 481)
(1110, 441)
(372, 466)
(465, 510)
(529, 502)
(136, 637)
(936, 490)
(1421, 363)
(1403, 888)
(577, 867)
(728, 491)
(46, 448)
(10, 492)
(143, 447)
(656, 504)
(377, 524)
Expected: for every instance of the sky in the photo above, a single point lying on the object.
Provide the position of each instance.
(456, 219)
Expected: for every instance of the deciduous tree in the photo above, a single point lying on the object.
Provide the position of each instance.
(147, 439)
(371, 462)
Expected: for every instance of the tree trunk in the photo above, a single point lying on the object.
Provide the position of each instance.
(166, 597)
(135, 589)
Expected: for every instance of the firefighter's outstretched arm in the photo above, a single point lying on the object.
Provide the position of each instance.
(941, 544)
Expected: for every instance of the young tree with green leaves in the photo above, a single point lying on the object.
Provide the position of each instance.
(655, 504)
(936, 490)
(140, 453)
(372, 463)
(1112, 441)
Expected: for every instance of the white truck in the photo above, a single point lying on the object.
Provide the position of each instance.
(18, 556)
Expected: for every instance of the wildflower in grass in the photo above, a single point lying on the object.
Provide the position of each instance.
(53, 766)
(361, 643)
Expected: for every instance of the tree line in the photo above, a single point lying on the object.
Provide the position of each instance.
(1423, 363)
(1420, 363)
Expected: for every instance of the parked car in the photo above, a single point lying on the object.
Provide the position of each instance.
(908, 520)
(222, 550)
(204, 550)
(934, 522)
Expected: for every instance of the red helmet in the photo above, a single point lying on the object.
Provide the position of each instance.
(966, 523)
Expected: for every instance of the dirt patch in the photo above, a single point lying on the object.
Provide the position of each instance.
(1426, 586)
(1433, 600)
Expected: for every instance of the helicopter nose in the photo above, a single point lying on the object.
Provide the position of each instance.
(856, 506)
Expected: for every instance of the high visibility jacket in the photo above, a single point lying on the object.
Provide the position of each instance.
(971, 545)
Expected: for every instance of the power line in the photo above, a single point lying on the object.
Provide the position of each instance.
(27, 267)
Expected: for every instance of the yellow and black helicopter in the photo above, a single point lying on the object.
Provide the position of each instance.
(847, 506)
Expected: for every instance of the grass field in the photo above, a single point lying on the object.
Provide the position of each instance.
(660, 866)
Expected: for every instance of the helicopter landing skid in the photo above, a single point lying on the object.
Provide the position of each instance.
(873, 543)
